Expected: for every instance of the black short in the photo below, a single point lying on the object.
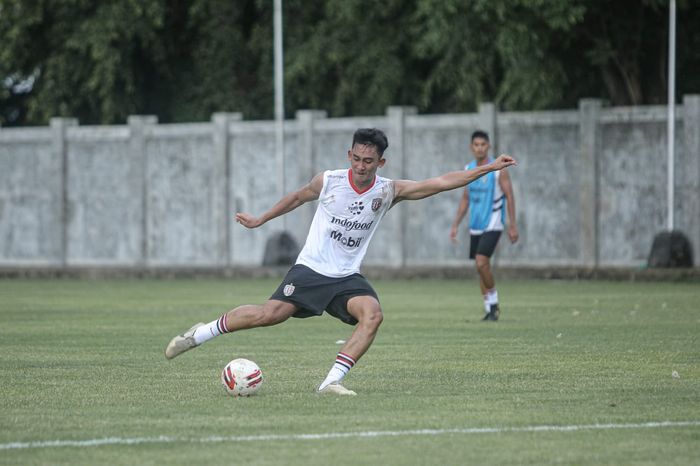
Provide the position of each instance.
(314, 293)
(484, 244)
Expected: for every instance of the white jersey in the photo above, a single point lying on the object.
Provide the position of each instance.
(344, 223)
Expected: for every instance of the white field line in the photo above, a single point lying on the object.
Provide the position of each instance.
(336, 435)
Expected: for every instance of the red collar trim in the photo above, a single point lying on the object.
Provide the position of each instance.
(355, 188)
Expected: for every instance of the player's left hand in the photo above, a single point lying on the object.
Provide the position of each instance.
(513, 233)
(503, 161)
(453, 235)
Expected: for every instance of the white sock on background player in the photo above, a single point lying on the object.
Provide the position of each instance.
(490, 298)
(343, 363)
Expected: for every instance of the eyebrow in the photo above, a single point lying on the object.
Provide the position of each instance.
(360, 157)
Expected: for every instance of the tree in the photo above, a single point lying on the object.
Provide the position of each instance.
(226, 63)
(185, 59)
(88, 60)
(348, 57)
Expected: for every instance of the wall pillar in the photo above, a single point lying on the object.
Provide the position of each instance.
(688, 175)
(487, 116)
(396, 169)
(306, 158)
(137, 147)
(222, 159)
(59, 149)
(588, 180)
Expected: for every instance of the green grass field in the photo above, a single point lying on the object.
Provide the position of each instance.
(83, 361)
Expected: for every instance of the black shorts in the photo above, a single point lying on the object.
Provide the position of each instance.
(484, 244)
(314, 293)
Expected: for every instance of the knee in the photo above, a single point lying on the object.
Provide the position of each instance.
(482, 263)
(372, 318)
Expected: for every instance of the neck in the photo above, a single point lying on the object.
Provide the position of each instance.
(360, 187)
(363, 184)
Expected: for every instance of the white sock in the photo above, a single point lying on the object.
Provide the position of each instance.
(492, 296)
(212, 329)
(343, 363)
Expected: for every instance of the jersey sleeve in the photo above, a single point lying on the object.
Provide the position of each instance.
(325, 181)
(389, 193)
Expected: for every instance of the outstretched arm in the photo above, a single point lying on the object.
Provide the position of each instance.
(413, 190)
(291, 201)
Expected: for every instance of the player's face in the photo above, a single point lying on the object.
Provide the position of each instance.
(480, 148)
(364, 161)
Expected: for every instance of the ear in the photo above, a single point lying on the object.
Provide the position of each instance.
(350, 155)
(381, 162)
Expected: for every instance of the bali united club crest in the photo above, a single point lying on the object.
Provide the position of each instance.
(376, 204)
(288, 289)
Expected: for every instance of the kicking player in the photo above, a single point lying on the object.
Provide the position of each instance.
(326, 275)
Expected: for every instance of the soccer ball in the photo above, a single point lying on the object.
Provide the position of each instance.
(241, 377)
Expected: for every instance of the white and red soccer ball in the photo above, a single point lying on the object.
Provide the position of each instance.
(241, 377)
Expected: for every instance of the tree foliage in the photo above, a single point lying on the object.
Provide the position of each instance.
(184, 59)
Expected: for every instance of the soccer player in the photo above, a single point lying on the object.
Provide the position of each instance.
(486, 200)
(326, 275)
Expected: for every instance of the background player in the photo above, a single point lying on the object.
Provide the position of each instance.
(486, 199)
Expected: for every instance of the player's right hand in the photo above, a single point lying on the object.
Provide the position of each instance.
(248, 220)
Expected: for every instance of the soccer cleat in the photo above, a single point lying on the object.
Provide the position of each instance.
(182, 343)
(493, 314)
(335, 389)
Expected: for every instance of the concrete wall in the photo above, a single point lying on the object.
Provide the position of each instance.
(590, 186)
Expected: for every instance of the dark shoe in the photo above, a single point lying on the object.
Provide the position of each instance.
(493, 314)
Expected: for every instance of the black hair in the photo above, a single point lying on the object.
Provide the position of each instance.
(371, 137)
(480, 134)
